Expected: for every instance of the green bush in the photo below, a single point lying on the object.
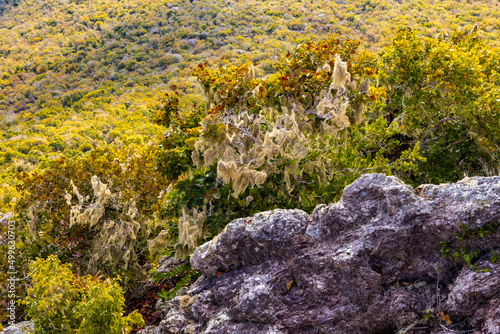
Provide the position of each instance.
(443, 92)
(61, 302)
(53, 227)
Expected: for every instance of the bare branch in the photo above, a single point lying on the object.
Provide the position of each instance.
(424, 139)
(25, 277)
(454, 331)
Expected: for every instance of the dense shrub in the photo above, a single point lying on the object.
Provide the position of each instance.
(96, 212)
(292, 139)
(59, 301)
(444, 93)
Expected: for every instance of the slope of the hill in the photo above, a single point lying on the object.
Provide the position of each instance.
(77, 74)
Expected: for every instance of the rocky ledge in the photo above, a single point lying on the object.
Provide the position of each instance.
(371, 263)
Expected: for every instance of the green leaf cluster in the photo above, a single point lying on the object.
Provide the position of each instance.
(444, 92)
(59, 301)
(462, 251)
(185, 274)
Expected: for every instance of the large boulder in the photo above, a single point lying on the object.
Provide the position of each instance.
(371, 263)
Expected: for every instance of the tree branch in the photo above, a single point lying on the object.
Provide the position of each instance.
(424, 139)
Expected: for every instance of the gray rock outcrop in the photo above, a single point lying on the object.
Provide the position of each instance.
(371, 263)
(25, 327)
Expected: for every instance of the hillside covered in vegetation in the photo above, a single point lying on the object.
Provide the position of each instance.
(132, 130)
(77, 74)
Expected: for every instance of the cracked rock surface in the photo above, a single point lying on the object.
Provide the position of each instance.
(370, 263)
